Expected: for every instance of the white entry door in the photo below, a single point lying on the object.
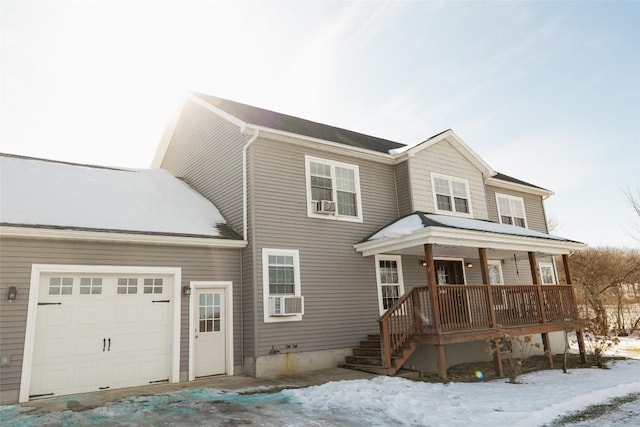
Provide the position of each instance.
(210, 332)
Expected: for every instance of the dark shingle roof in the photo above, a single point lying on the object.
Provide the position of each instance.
(508, 178)
(286, 123)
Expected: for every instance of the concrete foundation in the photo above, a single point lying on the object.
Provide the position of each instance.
(425, 358)
(294, 363)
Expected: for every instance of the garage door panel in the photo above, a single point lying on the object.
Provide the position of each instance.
(68, 352)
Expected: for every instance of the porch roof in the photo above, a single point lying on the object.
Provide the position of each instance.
(420, 228)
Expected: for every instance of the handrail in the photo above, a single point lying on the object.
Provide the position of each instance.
(401, 321)
(464, 307)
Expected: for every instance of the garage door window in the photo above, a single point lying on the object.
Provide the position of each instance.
(60, 286)
(127, 286)
(90, 285)
(152, 286)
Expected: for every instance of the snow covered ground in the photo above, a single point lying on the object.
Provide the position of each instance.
(540, 399)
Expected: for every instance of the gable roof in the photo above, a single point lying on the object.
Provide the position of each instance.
(246, 115)
(283, 122)
(456, 142)
(58, 195)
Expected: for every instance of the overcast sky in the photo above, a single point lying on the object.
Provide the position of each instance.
(548, 92)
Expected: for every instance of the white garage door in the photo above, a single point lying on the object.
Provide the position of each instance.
(101, 331)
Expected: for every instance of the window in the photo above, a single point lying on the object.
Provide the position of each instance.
(336, 182)
(495, 278)
(90, 285)
(152, 286)
(209, 315)
(127, 286)
(389, 278)
(511, 210)
(60, 286)
(451, 195)
(280, 277)
(547, 273)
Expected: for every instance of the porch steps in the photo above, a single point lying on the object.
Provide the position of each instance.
(368, 357)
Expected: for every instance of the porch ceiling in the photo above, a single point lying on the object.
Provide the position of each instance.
(461, 237)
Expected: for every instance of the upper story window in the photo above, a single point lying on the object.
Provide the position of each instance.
(451, 195)
(333, 190)
(511, 210)
(281, 285)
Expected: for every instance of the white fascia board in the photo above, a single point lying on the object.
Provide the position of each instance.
(103, 236)
(467, 238)
(321, 144)
(457, 143)
(230, 118)
(518, 187)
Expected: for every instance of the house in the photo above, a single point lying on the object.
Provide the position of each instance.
(349, 229)
(306, 246)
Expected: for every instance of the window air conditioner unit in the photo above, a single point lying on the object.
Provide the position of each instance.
(327, 207)
(286, 305)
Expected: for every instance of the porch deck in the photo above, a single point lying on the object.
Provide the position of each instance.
(474, 312)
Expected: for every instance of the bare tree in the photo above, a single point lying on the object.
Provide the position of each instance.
(553, 224)
(599, 273)
(633, 198)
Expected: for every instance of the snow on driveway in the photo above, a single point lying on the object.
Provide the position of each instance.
(542, 397)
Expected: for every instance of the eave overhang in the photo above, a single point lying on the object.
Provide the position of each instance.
(59, 233)
(495, 182)
(464, 237)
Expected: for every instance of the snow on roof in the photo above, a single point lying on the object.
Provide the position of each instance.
(417, 221)
(35, 192)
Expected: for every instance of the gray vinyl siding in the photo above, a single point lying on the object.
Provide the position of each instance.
(18, 255)
(339, 285)
(414, 274)
(443, 158)
(206, 151)
(403, 189)
(533, 207)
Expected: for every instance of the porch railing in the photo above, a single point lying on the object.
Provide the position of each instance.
(464, 307)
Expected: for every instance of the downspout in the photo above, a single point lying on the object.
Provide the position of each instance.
(244, 229)
(244, 185)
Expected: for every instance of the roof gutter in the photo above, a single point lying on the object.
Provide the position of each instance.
(244, 184)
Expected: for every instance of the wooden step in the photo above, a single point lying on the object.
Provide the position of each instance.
(364, 360)
(370, 344)
(367, 351)
(379, 370)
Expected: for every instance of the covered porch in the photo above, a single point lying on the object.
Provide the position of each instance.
(478, 306)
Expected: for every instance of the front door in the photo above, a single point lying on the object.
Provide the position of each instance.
(454, 310)
(210, 332)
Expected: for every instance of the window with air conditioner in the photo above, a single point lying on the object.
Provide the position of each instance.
(283, 300)
(333, 190)
(451, 195)
(511, 210)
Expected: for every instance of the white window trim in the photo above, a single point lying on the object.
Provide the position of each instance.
(435, 198)
(398, 260)
(510, 197)
(265, 283)
(310, 208)
(553, 272)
